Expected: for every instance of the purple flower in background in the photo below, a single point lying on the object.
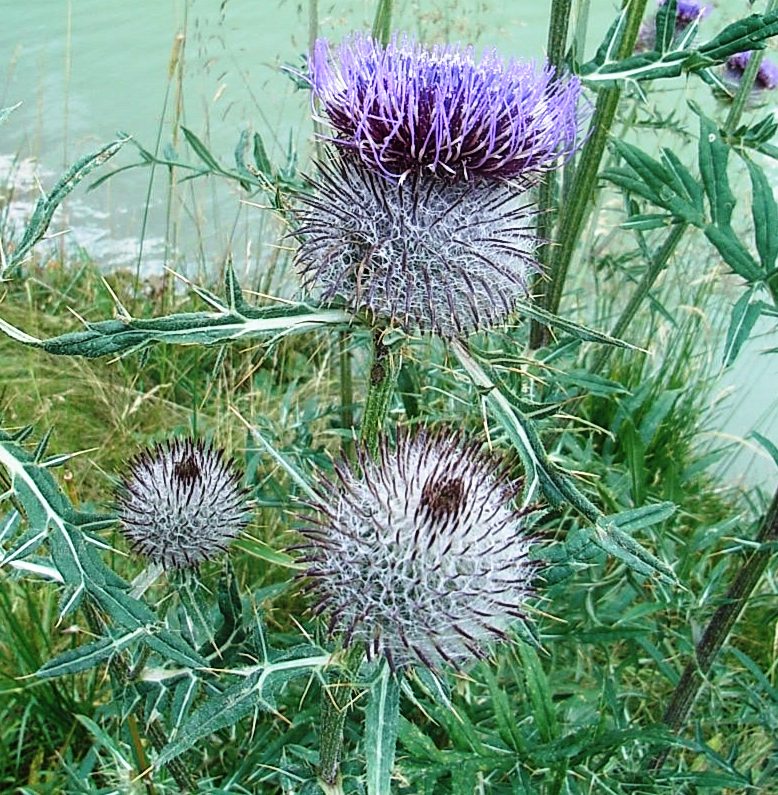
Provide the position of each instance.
(423, 252)
(686, 12)
(419, 553)
(407, 107)
(766, 77)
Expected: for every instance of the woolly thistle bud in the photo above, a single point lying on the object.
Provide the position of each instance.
(686, 13)
(449, 257)
(419, 553)
(405, 108)
(181, 503)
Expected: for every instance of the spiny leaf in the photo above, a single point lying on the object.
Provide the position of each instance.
(382, 713)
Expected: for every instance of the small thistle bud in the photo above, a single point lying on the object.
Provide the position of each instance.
(407, 108)
(181, 502)
(419, 553)
(448, 257)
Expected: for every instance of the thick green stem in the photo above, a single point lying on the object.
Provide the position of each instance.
(335, 699)
(557, 38)
(657, 265)
(719, 627)
(583, 187)
(383, 379)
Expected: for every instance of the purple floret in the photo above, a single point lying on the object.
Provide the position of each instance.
(766, 77)
(407, 108)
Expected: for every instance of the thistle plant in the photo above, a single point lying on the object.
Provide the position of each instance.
(443, 180)
(181, 503)
(422, 253)
(419, 553)
(405, 108)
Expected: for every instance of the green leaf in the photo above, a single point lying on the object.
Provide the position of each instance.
(260, 157)
(112, 337)
(382, 714)
(199, 148)
(539, 693)
(87, 656)
(750, 33)
(665, 26)
(714, 156)
(645, 516)
(771, 447)
(734, 253)
(46, 205)
(574, 329)
(745, 313)
(617, 543)
(765, 213)
(256, 691)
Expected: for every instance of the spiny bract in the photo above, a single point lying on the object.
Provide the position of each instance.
(181, 502)
(406, 107)
(423, 253)
(419, 553)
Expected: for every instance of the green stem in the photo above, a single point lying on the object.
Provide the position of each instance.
(383, 379)
(557, 38)
(657, 265)
(382, 23)
(746, 82)
(719, 627)
(583, 187)
(346, 391)
(335, 698)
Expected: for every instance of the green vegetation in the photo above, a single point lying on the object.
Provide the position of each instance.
(214, 681)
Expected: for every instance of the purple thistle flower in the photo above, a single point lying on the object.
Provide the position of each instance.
(407, 108)
(181, 503)
(418, 553)
(449, 257)
(766, 77)
(686, 12)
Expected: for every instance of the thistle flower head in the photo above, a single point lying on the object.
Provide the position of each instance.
(405, 108)
(419, 553)
(766, 77)
(426, 253)
(181, 502)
